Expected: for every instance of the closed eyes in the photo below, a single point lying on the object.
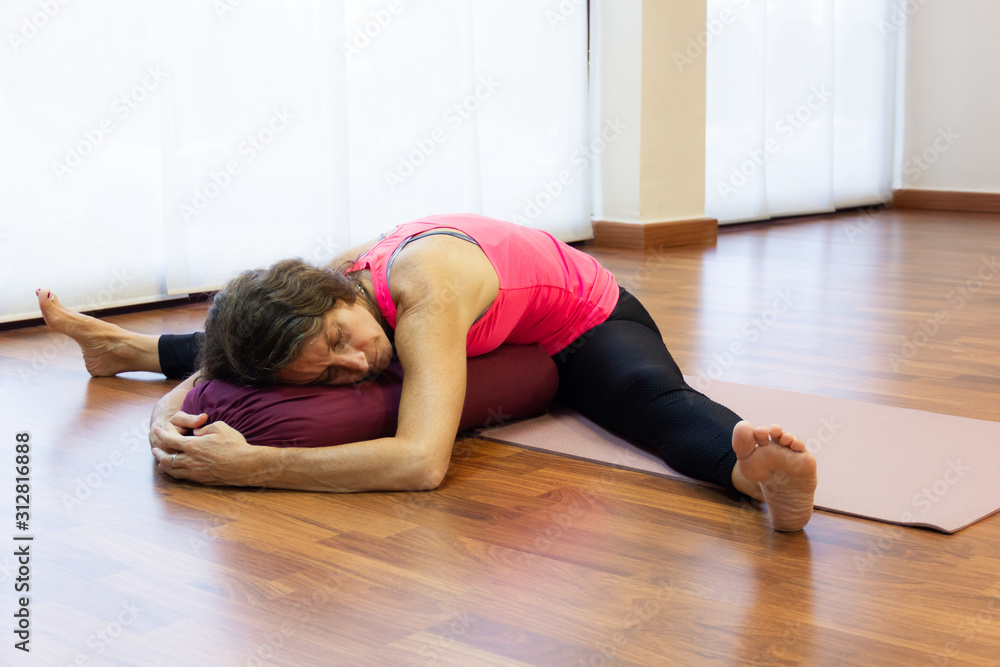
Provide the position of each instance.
(330, 371)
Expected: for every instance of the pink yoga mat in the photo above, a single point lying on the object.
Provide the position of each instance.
(889, 464)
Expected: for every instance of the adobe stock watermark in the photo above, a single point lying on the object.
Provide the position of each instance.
(86, 485)
(100, 641)
(432, 651)
(917, 165)
(931, 494)
(868, 216)
(365, 33)
(776, 653)
(900, 14)
(969, 628)
(787, 126)
(417, 500)
(634, 620)
(224, 7)
(957, 297)
(326, 249)
(914, 168)
(121, 109)
(120, 279)
(32, 24)
(562, 521)
(922, 502)
(453, 118)
(562, 12)
(247, 151)
(550, 190)
(697, 45)
(750, 332)
(656, 258)
(232, 510)
(41, 358)
(322, 593)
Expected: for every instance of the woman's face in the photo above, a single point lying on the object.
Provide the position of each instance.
(351, 348)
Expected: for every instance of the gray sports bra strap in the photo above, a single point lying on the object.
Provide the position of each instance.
(448, 232)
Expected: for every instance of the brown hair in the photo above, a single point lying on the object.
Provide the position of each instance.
(260, 320)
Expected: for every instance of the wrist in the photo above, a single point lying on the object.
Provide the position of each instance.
(264, 465)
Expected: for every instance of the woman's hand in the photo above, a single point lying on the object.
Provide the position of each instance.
(216, 454)
(180, 423)
(167, 415)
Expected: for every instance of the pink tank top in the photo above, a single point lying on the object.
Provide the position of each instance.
(549, 293)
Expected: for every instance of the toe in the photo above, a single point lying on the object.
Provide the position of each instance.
(786, 439)
(743, 439)
(798, 445)
(761, 435)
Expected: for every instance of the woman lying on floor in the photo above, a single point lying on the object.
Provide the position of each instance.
(460, 286)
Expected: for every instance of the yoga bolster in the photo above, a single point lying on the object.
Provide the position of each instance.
(511, 382)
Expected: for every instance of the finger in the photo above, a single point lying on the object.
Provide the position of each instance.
(185, 420)
(162, 457)
(216, 428)
(207, 429)
(164, 425)
(168, 439)
(176, 473)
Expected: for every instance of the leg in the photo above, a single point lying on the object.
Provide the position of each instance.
(621, 375)
(179, 353)
(108, 349)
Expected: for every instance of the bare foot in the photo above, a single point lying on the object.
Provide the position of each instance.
(107, 348)
(780, 468)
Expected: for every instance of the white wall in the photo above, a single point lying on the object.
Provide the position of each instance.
(951, 137)
(616, 84)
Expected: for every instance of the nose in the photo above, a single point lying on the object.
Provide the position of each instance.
(354, 361)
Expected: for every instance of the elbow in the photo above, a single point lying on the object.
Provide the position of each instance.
(429, 477)
(428, 471)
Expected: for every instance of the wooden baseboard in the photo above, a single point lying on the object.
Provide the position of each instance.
(699, 231)
(947, 200)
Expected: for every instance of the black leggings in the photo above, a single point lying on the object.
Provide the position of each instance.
(618, 374)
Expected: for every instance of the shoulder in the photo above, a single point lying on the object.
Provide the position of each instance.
(434, 261)
(444, 270)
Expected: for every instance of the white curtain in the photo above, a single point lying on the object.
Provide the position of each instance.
(800, 106)
(157, 147)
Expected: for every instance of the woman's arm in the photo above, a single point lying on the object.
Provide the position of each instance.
(436, 306)
(167, 413)
(430, 341)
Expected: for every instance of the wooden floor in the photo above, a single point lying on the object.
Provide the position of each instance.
(526, 558)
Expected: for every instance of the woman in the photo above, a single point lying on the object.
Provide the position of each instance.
(435, 291)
